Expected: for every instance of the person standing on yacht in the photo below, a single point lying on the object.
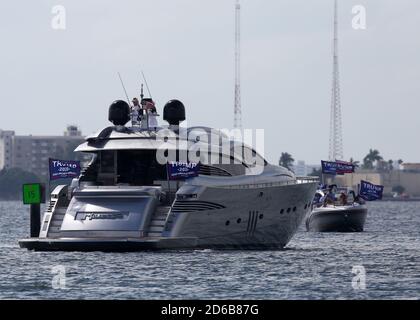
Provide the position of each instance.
(151, 114)
(136, 112)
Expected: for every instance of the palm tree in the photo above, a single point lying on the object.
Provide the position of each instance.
(390, 165)
(286, 160)
(382, 166)
(371, 158)
(355, 163)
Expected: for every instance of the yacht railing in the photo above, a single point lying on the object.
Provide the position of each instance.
(299, 180)
(308, 179)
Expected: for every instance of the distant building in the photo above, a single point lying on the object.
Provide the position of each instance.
(31, 153)
(396, 165)
(72, 131)
(411, 167)
(6, 149)
(300, 169)
(409, 180)
(313, 167)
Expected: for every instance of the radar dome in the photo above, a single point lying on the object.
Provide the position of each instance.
(119, 113)
(174, 112)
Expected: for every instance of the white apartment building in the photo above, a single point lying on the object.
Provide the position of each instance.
(31, 153)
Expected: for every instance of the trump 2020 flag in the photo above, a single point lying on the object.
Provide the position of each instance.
(370, 191)
(63, 169)
(182, 170)
(329, 167)
(339, 167)
(345, 167)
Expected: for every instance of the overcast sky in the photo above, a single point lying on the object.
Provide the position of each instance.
(50, 78)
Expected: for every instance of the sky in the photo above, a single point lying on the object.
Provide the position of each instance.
(50, 78)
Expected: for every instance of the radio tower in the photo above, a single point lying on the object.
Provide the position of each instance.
(238, 108)
(336, 134)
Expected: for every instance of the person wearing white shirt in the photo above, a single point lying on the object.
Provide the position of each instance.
(151, 115)
(136, 112)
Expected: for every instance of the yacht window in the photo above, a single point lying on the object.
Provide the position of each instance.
(132, 167)
(213, 171)
(139, 167)
(220, 164)
(107, 161)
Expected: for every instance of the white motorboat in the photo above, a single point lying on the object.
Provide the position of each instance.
(125, 201)
(336, 216)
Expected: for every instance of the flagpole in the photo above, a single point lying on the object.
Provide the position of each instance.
(49, 180)
(322, 174)
(169, 183)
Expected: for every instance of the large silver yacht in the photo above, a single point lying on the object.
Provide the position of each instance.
(124, 200)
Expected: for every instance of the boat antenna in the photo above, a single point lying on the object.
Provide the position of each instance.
(125, 91)
(142, 93)
(147, 86)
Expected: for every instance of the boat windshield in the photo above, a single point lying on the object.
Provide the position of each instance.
(130, 167)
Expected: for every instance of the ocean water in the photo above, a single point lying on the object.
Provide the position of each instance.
(381, 263)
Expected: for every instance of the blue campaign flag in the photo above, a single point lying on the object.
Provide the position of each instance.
(337, 168)
(329, 167)
(345, 167)
(63, 169)
(182, 170)
(370, 191)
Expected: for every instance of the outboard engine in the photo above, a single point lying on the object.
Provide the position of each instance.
(119, 113)
(174, 112)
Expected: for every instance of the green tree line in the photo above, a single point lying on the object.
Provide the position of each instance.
(11, 182)
(372, 161)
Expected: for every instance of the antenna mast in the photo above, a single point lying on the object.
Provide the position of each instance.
(147, 86)
(336, 134)
(125, 91)
(238, 108)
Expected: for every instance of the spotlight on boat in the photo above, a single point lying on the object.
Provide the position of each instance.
(174, 112)
(119, 113)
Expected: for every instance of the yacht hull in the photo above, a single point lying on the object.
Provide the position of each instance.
(107, 245)
(337, 219)
(251, 218)
(131, 245)
(259, 218)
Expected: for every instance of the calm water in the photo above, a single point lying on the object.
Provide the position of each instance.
(315, 266)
